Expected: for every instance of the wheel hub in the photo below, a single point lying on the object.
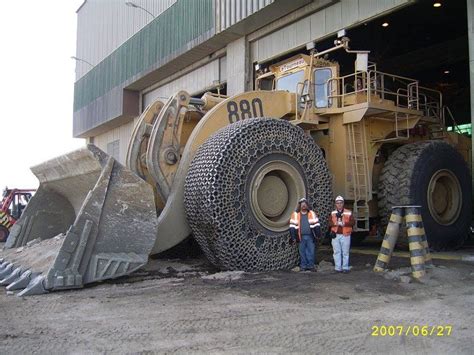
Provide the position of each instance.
(275, 189)
(444, 197)
(272, 196)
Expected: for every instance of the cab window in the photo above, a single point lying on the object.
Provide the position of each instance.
(321, 76)
(265, 83)
(290, 82)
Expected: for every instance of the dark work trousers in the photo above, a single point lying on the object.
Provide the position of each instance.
(306, 249)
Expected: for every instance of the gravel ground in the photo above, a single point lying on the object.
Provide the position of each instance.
(187, 307)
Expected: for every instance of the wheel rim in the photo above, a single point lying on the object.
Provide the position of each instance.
(444, 197)
(275, 189)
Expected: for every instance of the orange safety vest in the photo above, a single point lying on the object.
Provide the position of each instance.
(346, 218)
(296, 218)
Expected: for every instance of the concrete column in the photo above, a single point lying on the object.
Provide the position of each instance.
(470, 32)
(237, 63)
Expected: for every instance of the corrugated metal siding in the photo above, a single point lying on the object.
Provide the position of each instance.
(184, 21)
(329, 20)
(103, 25)
(195, 81)
(229, 12)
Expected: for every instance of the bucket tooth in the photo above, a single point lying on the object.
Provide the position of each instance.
(15, 274)
(35, 287)
(22, 281)
(6, 271)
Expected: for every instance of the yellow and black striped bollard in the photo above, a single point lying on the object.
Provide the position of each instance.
(416, 238)
(389, 240)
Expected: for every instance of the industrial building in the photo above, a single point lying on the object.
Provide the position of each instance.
(132, 53)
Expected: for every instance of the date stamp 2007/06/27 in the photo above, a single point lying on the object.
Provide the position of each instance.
(411, 330)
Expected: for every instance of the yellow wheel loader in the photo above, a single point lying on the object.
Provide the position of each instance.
(230, 170)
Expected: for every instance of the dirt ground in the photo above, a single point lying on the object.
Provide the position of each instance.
(187, 307)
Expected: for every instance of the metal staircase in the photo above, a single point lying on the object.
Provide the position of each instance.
(361, 178)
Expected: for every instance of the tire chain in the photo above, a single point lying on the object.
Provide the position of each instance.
(215, 198)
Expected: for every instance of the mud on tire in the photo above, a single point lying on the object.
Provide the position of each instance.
(434, 175)
(220, 204)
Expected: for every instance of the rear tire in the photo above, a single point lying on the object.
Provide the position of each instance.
(4, 232)
(242, 186)
(434, 175)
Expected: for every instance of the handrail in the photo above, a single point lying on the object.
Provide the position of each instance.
(374, 82)
(455, 124)
(393, 75)
(334, 83)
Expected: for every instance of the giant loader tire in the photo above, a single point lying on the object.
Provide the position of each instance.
(243, 185)
(433, 175)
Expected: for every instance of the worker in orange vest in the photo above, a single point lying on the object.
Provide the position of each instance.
(341, 222)
(305, 230)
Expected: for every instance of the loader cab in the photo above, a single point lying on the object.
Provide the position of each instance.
(265, 81)
(313, 81)
(324, 86)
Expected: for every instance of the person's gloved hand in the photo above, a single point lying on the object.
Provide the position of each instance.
(292, 241)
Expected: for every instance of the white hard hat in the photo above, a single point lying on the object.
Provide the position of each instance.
(339, 198)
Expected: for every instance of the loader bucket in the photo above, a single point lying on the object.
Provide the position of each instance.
(91, 219)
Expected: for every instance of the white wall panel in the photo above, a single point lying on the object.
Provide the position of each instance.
(103, 25)
(350, 11)
(319, 24)
(236, 68)
(333, 18)
(195, 81)
(121, 134)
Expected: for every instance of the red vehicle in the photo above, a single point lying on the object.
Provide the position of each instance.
(12, 205)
